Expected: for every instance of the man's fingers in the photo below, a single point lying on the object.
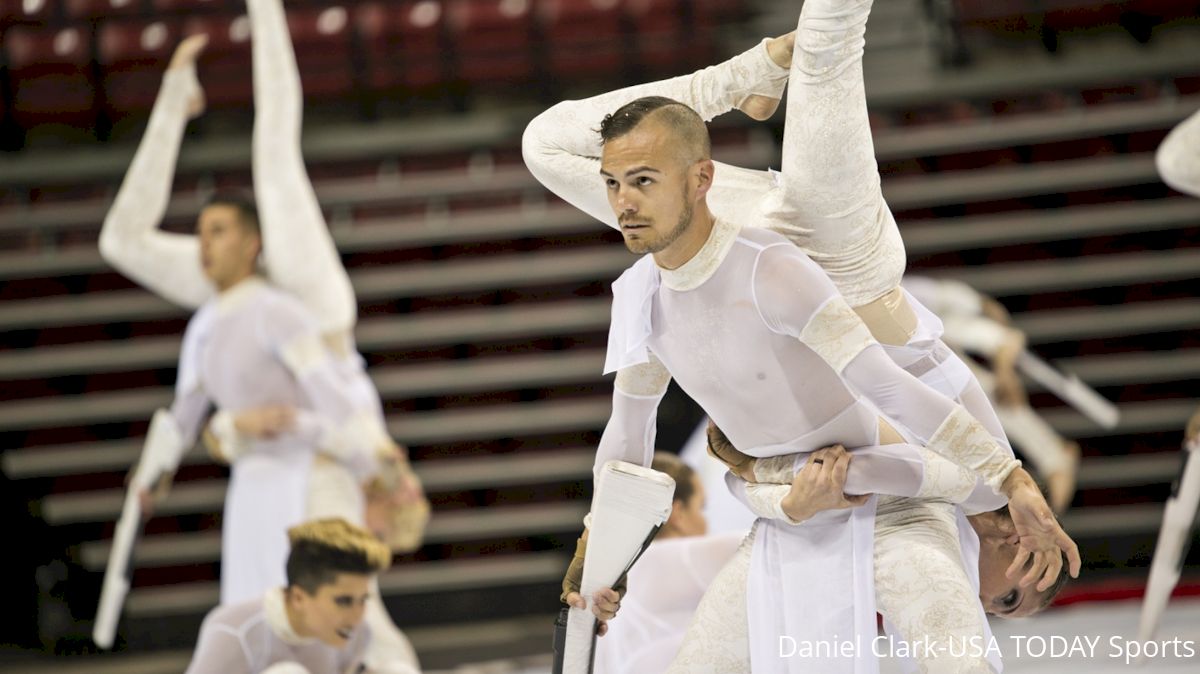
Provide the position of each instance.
(576, 600)
(1019, 561)
(602, 628)
(1052, 570)
(1068, 546)
(841, 465)
(1036, 570)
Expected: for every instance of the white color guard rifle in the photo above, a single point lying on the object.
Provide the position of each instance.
(630, 504)
(160, 457)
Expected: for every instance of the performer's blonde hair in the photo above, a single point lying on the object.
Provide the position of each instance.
(321, 549)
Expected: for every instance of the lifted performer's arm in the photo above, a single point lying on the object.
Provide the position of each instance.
(165, 263)
(562, 145)
(1178, 158)
(220, 650)
(894, 470)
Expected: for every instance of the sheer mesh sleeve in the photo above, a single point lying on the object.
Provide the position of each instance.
(795, 298)
(219, 650)
(562, 146)
(167, 264)
(630, 432)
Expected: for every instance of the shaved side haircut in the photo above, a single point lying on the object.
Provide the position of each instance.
(687, 126)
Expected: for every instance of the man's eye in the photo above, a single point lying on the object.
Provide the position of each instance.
(611, 183)
(344, 602)
(643, 181)
(1010, 599)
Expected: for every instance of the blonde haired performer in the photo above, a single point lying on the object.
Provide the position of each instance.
(755, 332)
(307, 427)
(311, 625)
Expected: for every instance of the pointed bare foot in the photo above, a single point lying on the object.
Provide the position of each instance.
(757, 106)
(185, 57)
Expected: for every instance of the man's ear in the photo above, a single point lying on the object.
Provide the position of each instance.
(702, 175)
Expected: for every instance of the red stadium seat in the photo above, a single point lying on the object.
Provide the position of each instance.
(321, 38)
(132, 57)
(225, 66)
(669, 37)
(405, 44)
(50, 70)
(39, 11)
(492, 40)
(95, 9)
(196, 6)
(583, 37)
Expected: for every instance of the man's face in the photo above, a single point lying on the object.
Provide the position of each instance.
(227, 248)
(999, 595)
(334, 611)
(687, 517)
(648, 187)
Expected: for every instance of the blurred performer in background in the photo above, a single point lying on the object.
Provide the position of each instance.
(667, 581)
(980, 326)
(311, 625)
(299, 418)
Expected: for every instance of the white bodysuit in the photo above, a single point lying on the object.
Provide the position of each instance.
(252, 635)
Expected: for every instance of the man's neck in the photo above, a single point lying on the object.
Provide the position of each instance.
(294, 620)
(693, 239)
(228, 284)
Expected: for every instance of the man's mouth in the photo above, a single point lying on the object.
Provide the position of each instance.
(345, 633)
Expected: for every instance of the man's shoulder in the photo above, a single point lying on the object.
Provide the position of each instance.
(760, 237)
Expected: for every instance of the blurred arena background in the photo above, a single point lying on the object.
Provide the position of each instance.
(1016, 142)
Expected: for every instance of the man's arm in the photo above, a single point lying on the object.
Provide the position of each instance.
(562, 146)
(1178, 158)
(219, 651)
(628, 436)
(795, 298)
(165, 263)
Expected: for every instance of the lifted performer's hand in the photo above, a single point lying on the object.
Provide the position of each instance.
(605, 604)
(1043, 543)
(820, 485)
(185, 57)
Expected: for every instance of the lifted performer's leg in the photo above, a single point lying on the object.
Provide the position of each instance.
(298, 249)
(830, 197)
(164, 263)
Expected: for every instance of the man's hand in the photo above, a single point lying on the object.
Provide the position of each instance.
(605, 604)
(1042, 541)
(819, 485)
(265, 422)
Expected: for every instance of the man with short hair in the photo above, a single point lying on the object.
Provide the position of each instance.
(314, 623)
(755, 332)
